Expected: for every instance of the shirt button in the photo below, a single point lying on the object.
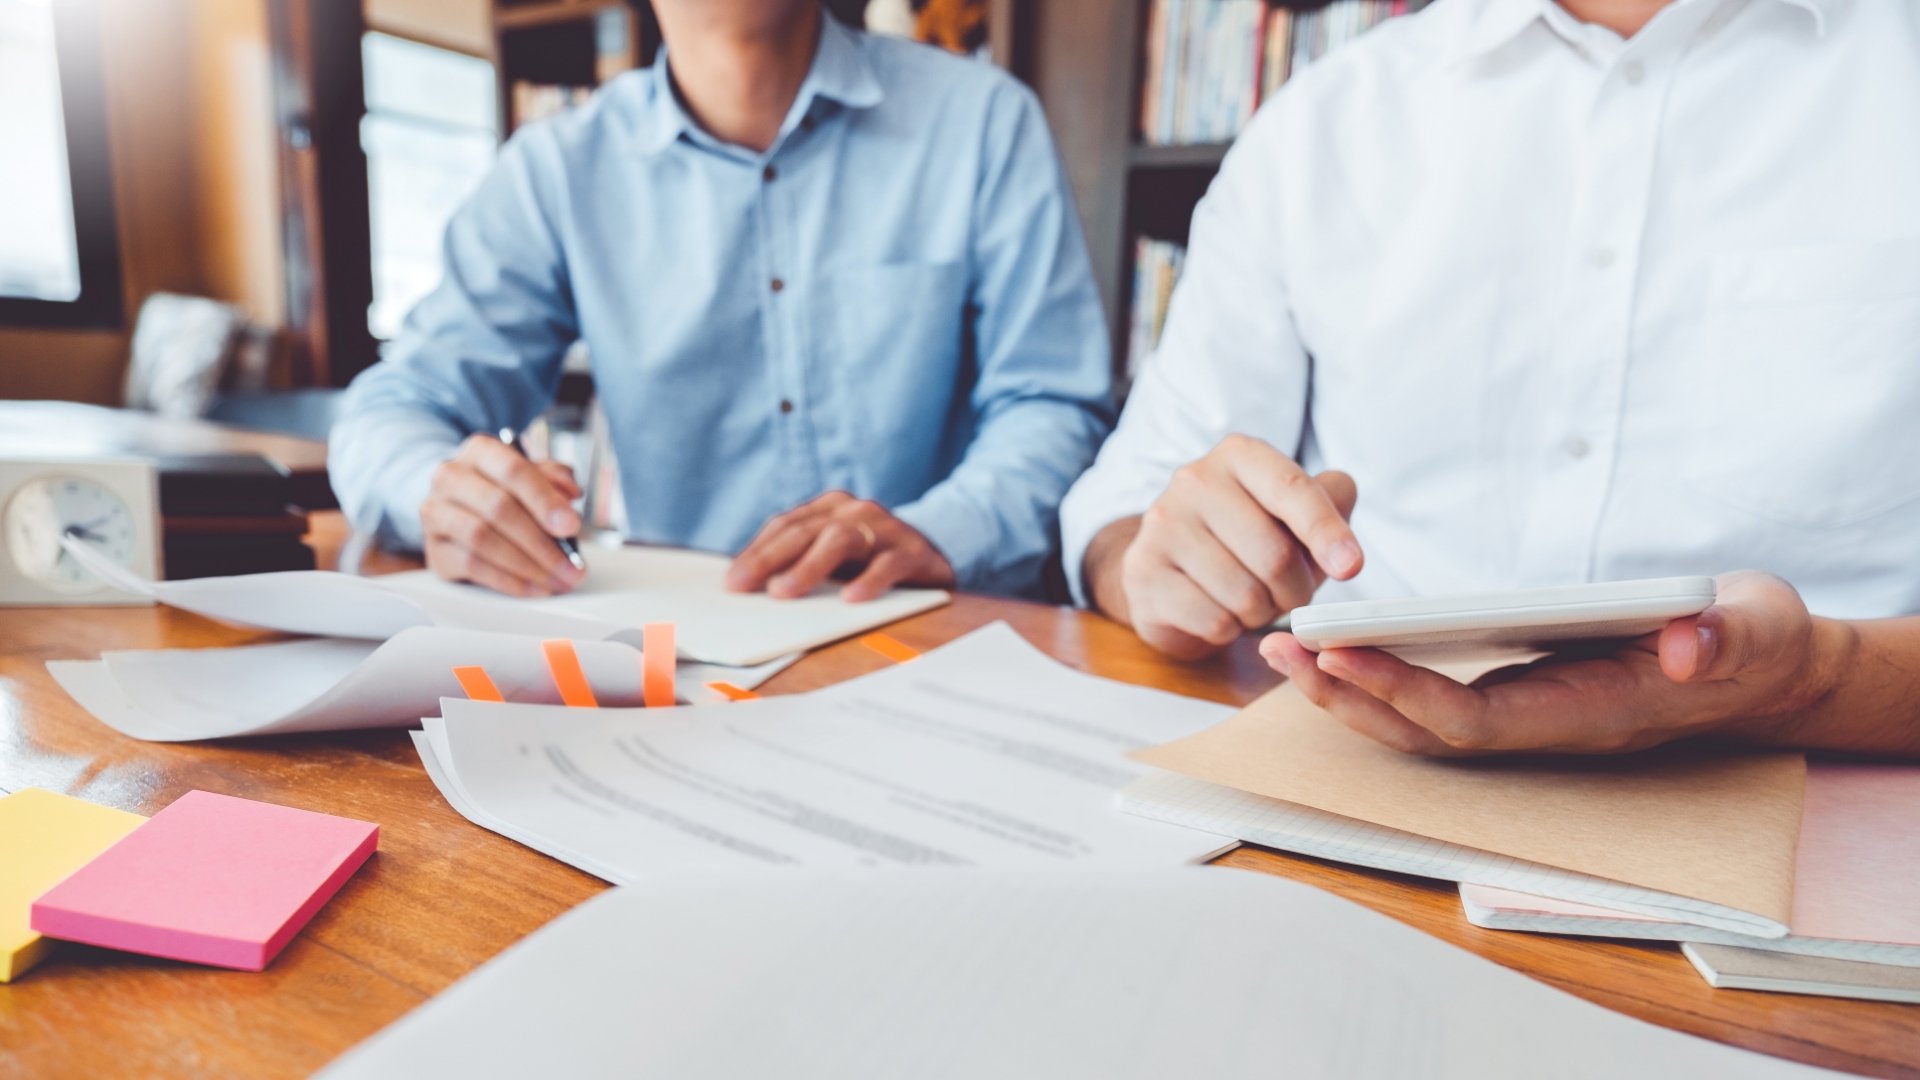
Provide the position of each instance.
(1601, 257)
(1633, 72)
(778, 284)
(785, 405)
(1576, 447)
(769, 173)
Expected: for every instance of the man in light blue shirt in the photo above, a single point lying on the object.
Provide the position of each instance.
(835, 295)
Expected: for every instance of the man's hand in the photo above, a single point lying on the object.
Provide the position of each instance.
(799, 549)
(1754, 666)
(492, 516)
(1238, 538)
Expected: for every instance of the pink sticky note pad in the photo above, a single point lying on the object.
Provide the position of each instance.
(211, 879)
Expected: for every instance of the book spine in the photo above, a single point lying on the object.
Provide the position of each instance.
(1178, 14)
(1156, 71)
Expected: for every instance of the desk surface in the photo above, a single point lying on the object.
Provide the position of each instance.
(442, 895)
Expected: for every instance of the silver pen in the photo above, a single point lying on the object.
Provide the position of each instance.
(568, 545)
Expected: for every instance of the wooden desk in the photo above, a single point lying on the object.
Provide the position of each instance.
(442, 896)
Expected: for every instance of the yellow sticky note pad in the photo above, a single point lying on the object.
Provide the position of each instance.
(44, 837)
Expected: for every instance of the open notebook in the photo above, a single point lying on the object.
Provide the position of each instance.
(1856, 876)
(1216, 808)
(626, 588)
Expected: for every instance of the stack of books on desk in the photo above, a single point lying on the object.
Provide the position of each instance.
(227, 514)
(1772, 873)
(1855, 928)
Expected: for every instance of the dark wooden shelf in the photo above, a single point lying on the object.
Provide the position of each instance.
(1190, 156)
(543, 14)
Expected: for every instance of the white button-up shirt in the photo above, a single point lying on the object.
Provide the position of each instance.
(1570, 308)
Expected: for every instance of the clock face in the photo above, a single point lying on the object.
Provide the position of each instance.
(44, 509)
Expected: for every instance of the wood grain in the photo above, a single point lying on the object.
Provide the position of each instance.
(443, 896)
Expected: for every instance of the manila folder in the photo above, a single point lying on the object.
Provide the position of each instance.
(1713, 826)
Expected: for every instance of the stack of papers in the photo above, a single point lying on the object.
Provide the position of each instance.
(340, 684)
(1674, 834)
(1856, 874)
(982, 752)
(350, 679)
(1109, 973)
(1737, 853)
(625, 589)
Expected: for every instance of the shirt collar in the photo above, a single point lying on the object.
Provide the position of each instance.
(1500, 21)
(841, 73)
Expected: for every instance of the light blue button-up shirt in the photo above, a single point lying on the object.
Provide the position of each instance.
(894, 300)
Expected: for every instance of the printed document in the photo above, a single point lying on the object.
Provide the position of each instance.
(982, 752)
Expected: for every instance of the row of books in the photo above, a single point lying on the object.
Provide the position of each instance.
(1156, 266)
(1210, 63)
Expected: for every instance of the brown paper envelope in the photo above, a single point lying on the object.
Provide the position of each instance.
(1713, 826)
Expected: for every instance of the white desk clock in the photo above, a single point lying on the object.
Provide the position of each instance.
(113, 505)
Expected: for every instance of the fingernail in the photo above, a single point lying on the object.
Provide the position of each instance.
(1345, 556)
(779, 581)
(563, 521)
(1281, 664)
(558, 581)
(1705, 644)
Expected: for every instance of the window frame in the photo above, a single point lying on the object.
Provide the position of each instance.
(83, 105)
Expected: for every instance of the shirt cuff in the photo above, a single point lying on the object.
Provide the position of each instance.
(383, 471)
(1098, 500)
(961, 531)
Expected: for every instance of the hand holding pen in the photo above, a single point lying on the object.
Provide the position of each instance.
(494, 518)
(569, 546)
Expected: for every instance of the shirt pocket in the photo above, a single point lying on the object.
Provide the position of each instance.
(891, 351)
(1805, 396)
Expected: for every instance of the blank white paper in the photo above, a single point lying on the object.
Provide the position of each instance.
(1056, 973)
(625, 589)
(338, 684)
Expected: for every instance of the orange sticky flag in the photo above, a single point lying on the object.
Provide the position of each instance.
(564, 663)
(657, 660)
(732, 692)
(478, 686)
(889, 648)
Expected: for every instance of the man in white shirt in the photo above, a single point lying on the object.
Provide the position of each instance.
(1577, 291)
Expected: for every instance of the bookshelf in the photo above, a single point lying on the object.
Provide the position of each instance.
(1090, 67)
(549, 51)
(559, 50)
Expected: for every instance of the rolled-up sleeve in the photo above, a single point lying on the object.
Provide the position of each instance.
(1042, 400)
(483, 351)
(1230, 359)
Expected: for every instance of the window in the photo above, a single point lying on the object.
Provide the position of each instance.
(430, 135)
(58, 254)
